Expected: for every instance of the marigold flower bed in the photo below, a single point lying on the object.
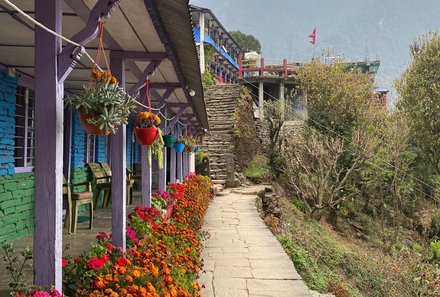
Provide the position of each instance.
(162, 257)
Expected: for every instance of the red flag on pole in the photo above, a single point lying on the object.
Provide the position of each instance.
(313, 37)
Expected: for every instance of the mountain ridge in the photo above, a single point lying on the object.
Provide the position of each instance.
(357, 29)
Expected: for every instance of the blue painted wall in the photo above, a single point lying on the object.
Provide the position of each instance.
(8, 89)
(101, 149)
(219, 49)
(78, 143)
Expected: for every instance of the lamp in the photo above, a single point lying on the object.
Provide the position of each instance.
(192, 93)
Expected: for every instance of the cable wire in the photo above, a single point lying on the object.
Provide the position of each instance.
(345, 138)
(28, 17)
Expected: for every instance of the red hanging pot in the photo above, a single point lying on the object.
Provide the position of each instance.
(146, 136)
(90, 128)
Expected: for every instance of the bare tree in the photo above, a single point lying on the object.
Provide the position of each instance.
(315, 171)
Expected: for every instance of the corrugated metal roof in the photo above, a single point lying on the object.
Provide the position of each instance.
(175, 17)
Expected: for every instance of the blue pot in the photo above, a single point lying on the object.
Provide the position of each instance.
(198, 149)
(179, 147)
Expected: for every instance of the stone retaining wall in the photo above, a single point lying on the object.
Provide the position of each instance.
(221, 102)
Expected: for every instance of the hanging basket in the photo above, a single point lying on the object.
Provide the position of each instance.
(90, 128)
(168, 140)
(179, 147)
(198, 149)
(146, 136)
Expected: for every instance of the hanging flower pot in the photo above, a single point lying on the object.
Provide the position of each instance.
(190, 144)
(91, 129)
(146, 136)
(93, 113)
(168, 140)
(198, 149)
(179, 147)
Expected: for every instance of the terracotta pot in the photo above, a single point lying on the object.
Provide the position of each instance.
(146, 136)
(90, 128)
(169, 212)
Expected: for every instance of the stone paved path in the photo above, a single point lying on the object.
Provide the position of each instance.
(242, 257)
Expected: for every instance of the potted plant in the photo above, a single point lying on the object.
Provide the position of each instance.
(103, 105)
(179, 144)
(169, 140)
(190, 144)
(148, 133)
(147, 127)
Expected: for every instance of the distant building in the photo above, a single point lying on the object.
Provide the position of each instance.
(277, 81)
(211, 35)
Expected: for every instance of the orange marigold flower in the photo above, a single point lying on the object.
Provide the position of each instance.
(114, 80)
(136, 273)
(173, 291)
(99, 283)
(108, 291)
(150, 288)
(157, 119)
(154, 270)
(168, 279)
(122, 270)
(128, 279)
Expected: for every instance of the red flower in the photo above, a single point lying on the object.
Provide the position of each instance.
(102, 235)
(130, 233)
(154, 225)
(96, 263)
(122, 262)
(64, 263)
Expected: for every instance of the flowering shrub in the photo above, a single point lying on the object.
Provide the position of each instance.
(192, 206)
(37, 293)
(148, 120)
(162, 257)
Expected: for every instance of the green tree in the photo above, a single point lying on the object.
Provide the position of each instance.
(336, 99)
(247, 42)
(419, 98)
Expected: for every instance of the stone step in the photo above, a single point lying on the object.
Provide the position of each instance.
(219, 181)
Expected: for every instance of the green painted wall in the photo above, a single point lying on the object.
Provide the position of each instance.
(16, 205)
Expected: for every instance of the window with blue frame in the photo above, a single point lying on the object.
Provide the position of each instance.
(24, 149)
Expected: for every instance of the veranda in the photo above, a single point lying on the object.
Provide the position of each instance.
(41, 140)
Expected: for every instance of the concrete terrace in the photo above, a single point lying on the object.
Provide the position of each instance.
(242, 257)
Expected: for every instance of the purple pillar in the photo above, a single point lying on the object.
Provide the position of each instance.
(163, 171)
(145, 177)
(49, 147)
(172, 165)
(119, 170)
(179, 167)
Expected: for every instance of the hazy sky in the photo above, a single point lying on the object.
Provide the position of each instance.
(357, 29)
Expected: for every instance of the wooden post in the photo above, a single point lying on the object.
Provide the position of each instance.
(179, 167)
(240, 66)
(202, 42)
(48, 246)
(192, 163)
(172, 165)
(262, 67)
(146, 177)
(163, 171)
(261, 100)
(184, 164)
(119, 168)
(285, 67)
